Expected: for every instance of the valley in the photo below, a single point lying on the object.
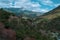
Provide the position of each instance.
(28, 26)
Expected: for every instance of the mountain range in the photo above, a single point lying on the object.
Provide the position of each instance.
(41, 28)
(20, 11)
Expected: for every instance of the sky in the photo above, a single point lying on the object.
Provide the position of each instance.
(32, 5)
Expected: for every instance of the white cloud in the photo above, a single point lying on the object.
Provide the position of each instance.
(46, 2)
(4, 5)
(27, 4)
(35, 5)
(40, 10)
(44, 10)
(56, 5)
(20, 3)
(49, 3)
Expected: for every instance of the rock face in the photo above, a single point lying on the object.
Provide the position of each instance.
(7, 34)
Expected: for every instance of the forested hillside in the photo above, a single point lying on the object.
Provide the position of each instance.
(45, 27)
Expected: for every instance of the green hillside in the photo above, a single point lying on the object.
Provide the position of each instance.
(40, 28)
(50, 20)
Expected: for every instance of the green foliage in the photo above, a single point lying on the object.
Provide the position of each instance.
(24, 27)
(4, 16)
(55, 24)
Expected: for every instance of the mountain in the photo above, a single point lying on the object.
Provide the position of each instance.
(41, 29)
(4, 15)
(53, 13)
(50, 20)
(20, 11)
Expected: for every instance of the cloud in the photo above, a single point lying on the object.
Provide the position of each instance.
(20, 3)
(25, 3)
(4, 5)
(49, 3)
(46, 2)
(40, 10)
(56, 5)
(4, 1)
(28, 4)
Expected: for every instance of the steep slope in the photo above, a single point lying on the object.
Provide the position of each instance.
(50, 20)
(54, 24)
(53, 13)
(4, 14)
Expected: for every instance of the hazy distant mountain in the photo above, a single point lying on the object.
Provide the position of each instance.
(20, 11)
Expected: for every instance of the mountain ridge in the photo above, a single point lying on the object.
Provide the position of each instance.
(20, 11)
(50, 20)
